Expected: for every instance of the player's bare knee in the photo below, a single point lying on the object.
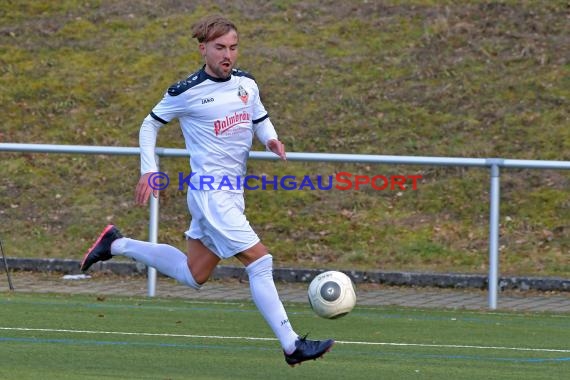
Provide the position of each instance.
(252, 254)
(201, 278)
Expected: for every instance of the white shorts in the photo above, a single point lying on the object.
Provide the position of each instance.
(219, 222)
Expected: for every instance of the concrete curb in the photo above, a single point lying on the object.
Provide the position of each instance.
(417, 279)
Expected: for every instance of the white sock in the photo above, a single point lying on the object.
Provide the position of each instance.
(165, 258)
(267, 300)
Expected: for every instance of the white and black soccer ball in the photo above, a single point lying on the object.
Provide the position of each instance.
(332, 295)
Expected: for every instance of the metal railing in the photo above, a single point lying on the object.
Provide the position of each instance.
(493, 164)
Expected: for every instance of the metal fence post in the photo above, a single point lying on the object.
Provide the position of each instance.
(153, 238)
(494, 233)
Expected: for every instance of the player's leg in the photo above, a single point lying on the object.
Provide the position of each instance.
(165, 258)
(259, 265)
(201, 260)
(225, 230)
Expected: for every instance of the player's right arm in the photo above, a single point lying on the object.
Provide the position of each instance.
(173, 105)
(147, 142)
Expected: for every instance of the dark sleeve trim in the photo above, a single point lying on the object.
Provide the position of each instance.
(261, 119)
(153, 115)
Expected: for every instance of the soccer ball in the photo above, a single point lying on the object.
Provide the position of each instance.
(332, 295)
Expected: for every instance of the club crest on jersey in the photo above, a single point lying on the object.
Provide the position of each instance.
(243, 95)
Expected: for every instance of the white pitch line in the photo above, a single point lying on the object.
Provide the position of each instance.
(135, 333)
(273, 339)
(456, 346)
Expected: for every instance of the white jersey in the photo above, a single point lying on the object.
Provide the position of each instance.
(217, 117)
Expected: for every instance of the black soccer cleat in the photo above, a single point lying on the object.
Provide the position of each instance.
(101, 249)
(308, 350)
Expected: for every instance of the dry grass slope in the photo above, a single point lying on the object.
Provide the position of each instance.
(454, 78)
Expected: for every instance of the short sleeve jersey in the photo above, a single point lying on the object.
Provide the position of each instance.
(217, 117)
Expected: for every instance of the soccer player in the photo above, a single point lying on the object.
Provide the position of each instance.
(219, 110)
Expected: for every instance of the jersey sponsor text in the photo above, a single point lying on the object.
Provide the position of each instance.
(221, 126)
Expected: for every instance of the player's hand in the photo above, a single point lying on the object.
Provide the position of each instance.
(277, 147)
(143, 190)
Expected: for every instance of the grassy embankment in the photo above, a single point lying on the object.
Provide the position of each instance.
(468, 79)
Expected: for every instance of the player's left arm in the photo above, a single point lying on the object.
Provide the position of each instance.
(262, 126)
(265, 132)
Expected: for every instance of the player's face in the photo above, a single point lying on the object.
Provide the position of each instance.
(220, 54)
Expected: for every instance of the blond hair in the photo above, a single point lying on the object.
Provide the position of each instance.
(212, 27)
